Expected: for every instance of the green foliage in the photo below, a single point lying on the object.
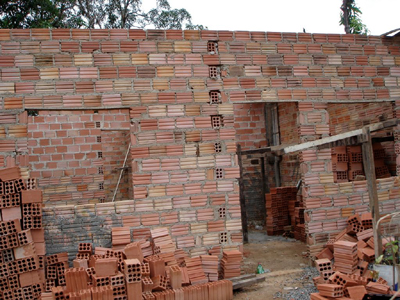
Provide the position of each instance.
(92, 14)
(350, 17)
(391, 255)
(38, 14)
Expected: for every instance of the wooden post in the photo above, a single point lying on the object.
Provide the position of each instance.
(369, 168)
(242, 199)
(264, 186)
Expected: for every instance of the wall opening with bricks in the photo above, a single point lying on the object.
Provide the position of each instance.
(183, 104)
(329, 198)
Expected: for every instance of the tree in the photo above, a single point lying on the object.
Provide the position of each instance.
(92, 14)
(350, 18)
(38, 14)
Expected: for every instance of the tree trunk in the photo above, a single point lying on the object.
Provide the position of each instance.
(346, 16)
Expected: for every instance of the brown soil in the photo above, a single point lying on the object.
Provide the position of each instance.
(284, 258)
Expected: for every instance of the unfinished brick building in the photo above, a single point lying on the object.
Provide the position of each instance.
(175, 104)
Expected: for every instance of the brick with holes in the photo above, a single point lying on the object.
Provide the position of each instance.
(100, 281)
(117, 280)
(13, 282)
(132, 271)
(85, 248)
(31, 196)
(159, 283)
(147, 284)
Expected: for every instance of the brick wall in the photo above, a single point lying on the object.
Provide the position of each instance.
(350, 116)
(13, 140)
(250, 125)
(66, 153)
(194, 228)
(181, 95)
(288, 126)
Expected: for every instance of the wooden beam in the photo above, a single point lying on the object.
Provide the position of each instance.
(257, 151)
(323, 141)
(241, 197)
(369, 168)
(334, 140)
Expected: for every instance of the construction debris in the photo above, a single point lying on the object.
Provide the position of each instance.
(22, 255)
(343, 263)
(150, 268)
(111, 275)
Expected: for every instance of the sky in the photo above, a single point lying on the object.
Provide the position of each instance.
(315, 16)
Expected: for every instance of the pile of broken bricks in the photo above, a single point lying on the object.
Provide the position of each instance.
(151, 268)
(22, 247)
(343, 264)
(128, 274)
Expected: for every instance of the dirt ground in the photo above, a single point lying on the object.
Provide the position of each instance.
(284, 258)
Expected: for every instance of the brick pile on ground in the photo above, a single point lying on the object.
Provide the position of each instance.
(127, 272)
(22, 248)
(343, 263)
(297, 219)
(277, 205)
(285, 208)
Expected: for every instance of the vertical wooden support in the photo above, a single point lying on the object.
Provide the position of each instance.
(277, 171)
(369, 168)
(264, 186)
(242, 199)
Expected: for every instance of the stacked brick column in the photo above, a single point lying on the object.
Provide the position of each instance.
(316, 166)
(396, 133)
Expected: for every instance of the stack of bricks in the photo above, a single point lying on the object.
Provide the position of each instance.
(120, 236)
(128, 274)
(22, 247)
(355, 162)
(230, 263)
(277, 205)
(381, 169)
(347, 163)
(345, 256)
(297, 219)
(209, 264)
(352, 251)
(340, 161)
(56, 265)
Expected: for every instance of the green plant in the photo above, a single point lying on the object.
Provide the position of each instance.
(391, 255)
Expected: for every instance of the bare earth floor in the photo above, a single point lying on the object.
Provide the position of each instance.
(284, 258)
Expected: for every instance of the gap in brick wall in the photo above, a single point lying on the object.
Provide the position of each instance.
(115, 144)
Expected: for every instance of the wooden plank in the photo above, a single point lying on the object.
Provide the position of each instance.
(242, 277)
(284, 149)
(257, 151)
(369, 168)
(247, 282)
(241, 196)
(330, 139)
